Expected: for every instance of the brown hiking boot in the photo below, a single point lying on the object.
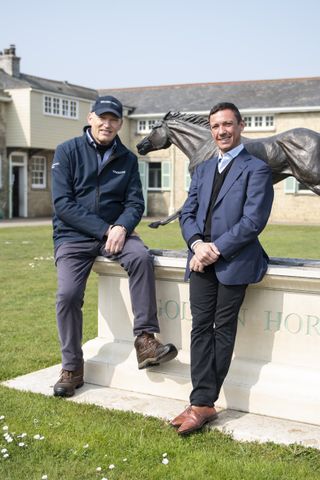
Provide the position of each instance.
(151, 352)
(68, 382)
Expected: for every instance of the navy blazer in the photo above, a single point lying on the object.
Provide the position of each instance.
(240, 213)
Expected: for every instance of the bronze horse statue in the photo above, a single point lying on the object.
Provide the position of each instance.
(294, 153)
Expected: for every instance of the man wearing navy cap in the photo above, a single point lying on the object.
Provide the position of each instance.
(98, 202)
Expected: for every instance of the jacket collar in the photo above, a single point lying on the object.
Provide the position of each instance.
(237, 167)
(118, 150)
(93, 143)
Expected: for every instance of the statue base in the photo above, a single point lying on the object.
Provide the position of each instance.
(276, 366)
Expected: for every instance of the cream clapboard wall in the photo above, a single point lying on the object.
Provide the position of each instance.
(47, 130)
(18, 118)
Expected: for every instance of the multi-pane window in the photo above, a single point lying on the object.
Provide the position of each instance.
(155, 175)
(159, 175)
(56, 106)
(248, 121)
(38, 172)
(73, 109)
(65, 108)
(145, 126)
(259, 122)
(142, 126)
(269, 120)
(47, 104)
(60, 107)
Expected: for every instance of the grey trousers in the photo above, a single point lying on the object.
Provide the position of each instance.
(74, 261)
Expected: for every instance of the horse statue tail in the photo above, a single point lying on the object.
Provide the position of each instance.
(166, 220)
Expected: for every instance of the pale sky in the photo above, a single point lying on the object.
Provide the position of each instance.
(127, 43)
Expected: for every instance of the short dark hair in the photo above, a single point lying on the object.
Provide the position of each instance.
(226, 106)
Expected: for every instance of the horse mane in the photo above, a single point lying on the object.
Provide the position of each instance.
(187, 117)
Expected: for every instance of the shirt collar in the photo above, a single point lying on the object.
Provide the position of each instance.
(234, 152)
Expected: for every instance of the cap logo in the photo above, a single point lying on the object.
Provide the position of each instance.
(109, 101)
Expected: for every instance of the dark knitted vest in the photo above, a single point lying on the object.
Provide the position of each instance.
(218, 180)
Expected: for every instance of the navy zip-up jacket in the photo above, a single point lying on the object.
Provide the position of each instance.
(87, 201)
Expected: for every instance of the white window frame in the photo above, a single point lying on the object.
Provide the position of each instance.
(43, 185)
(259, 122)
(63, 107)
(145, 125)
(291, 186)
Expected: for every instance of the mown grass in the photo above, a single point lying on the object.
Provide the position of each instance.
(28, 341)
(80, 438)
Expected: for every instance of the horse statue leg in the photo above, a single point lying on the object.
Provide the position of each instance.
(166, 220)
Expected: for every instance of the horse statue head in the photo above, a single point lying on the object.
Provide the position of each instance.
(189, 132)
(157, 139)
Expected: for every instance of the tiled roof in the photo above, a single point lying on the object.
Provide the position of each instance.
(54, 86)
(200, 97)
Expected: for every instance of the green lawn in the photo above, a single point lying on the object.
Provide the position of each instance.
(278, 240)
(28, 341)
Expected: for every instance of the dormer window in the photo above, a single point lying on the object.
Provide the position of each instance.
(60, 107)
(145, 126)
(259, 122)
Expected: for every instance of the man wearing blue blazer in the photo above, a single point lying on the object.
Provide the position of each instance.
(228, 205)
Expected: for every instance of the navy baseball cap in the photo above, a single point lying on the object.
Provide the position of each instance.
(107, 104)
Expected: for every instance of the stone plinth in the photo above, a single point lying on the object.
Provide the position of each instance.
(276, 365)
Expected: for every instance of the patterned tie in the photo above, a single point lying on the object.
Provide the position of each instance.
(223, 161)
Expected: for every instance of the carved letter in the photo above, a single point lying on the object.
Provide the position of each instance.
(175, 305)
(276, 321)
(314, 326)
(286, 322)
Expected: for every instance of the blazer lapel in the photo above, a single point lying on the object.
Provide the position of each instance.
(237, 167)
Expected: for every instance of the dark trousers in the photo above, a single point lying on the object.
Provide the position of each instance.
(215, 308)
(74, 261)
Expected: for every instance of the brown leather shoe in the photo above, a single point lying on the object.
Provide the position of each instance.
(196, 418)
(151, 352)
(179, 419)
(68, 382)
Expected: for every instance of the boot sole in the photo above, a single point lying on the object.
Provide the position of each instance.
(153, 362)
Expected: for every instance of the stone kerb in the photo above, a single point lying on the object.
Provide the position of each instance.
(276, 365)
